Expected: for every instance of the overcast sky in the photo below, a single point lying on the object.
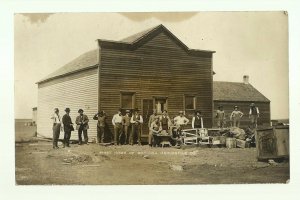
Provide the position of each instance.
(251, 43)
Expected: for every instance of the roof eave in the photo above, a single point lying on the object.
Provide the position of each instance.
(66, 74)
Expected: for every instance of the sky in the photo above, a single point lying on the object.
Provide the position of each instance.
(246, 43)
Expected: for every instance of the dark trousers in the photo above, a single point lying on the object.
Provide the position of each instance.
(197, 126)
(136, 130)
(67, 137)
(126, 132)
(85, 135)
(117, 133)
(100, 134)
(56, 132)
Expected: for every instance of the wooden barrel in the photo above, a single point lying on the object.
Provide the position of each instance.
(230, 142)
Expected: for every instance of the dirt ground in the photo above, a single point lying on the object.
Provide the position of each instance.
(38, 164)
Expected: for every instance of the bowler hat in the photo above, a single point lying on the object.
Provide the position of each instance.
(80, 110)
(67, 110)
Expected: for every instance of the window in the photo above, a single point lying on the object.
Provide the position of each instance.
(189, 102)
(127, 100)
(160, 104)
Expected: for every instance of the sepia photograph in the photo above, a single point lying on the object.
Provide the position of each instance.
(151, 98)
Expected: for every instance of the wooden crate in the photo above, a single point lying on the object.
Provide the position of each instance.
(242, 143)
(272, 142)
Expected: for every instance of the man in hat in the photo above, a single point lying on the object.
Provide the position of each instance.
(154, 129)
(82, 126)
(180, 121)
(56, 127)
(117, 123)
(68, 127)
(101, 118)
(253, 115)
(136, 121)
(197, 121)
(220, 115)
(236, 116)
(151, 118)
(165, 121)
(126, 126)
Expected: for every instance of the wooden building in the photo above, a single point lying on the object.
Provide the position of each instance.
(230, 94)
(151, 69)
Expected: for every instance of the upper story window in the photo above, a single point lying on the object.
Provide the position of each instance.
(127, 100)
(189, 102)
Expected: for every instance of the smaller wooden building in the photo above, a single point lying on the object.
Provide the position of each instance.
(242, 94)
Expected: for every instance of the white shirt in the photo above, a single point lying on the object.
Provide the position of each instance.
(181, 120)
(56, 118)
(117, 119)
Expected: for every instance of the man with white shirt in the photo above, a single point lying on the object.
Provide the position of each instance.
(56, 127)
(180, 121)
(136, 121)
(117, 123)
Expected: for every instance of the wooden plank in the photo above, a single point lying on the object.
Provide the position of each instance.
(282, 141)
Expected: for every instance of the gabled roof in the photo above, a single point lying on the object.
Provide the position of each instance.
(234, 91)
(82, 62)
(90, 59)
(135, 41)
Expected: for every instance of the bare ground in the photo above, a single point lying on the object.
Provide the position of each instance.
(38, 164)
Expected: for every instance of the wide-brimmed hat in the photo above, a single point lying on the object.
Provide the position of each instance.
(67, 110)
(80, 110)
(197, 111)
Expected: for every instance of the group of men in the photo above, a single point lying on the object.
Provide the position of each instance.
(65, 123)
(236, 116)
(129, 126)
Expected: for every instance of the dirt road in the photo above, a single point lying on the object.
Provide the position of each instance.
(37, 163)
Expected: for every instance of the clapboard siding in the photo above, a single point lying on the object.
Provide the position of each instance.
(79, 90)
(264, 109)
(160, 67)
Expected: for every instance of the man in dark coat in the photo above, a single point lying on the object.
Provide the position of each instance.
(68, 127)
(82, 126)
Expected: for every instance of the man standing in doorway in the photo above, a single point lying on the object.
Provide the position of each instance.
(101, 117)
(152, 118)
(136, 121)
(165, 121)
(82, 126)
(68, 127)
(117, 123)
(253, 115)
(236, 116)
(56, 127)
(126, 124)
